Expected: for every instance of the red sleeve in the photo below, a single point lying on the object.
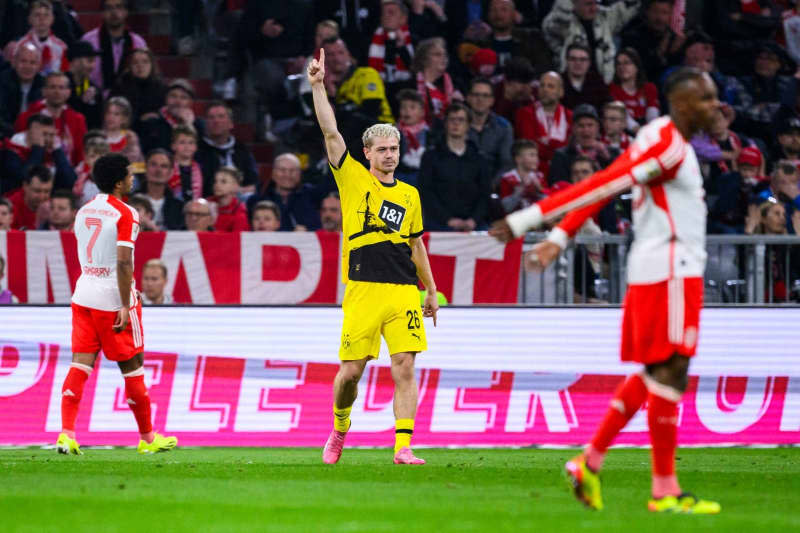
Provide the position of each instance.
(507, 184)
(575, 219)
(241, 223)
(651, 95)
(127, 229)
(20, 123)
(78, 134)
(525, 123)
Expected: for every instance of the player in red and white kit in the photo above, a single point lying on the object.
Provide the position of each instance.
(106, 311)
(665, 280)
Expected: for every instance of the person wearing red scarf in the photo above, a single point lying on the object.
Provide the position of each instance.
(391, 51)
(52, 49)
(186, 181)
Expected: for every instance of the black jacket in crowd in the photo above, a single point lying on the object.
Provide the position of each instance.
(11, 98)
(211, 158)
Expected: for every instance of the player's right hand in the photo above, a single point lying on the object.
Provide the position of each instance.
(541, 256)
(316, 69)
(123, 316)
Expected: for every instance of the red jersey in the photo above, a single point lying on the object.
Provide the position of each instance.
(549, 132)
(232, 217)
(637, 103)
(24, 217)
(52, 49)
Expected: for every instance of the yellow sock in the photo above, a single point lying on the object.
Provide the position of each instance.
(341, 418)
(404, 428)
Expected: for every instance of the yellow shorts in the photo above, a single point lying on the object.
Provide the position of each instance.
(375, 309)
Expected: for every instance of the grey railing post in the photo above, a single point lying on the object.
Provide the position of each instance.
(760, 254)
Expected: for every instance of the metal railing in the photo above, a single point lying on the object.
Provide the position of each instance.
(741, 269)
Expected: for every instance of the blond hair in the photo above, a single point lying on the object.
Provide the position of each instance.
(379, 130)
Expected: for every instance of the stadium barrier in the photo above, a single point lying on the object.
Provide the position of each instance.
(512, 376)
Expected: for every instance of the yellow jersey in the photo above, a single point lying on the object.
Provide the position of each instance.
(364, 83)
(378, 220)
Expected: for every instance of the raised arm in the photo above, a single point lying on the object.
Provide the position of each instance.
(334, 142)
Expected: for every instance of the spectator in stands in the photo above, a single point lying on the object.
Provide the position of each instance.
(30, 201)
(632, 89)
(330, 212)
(718, 149)
(768, 89)
(186, 181)
(298, 202)
(168, 209)
(231, 213)
(52, 49)
(581, 168)
(515, 90)
(114, 41)
(790, 110)
(490, 133)
(781, 262)
(356, 19)
(434, 84)
(85, 98)
(219, 148)
(414, 135)
(788, 136)
(509, 40)
(523, 185)
(6, 297)
(141, 84)
(426, 19)
(15, 22)
(156, 132)
(19, 86)
(154, 279)
(198, 215)
(784, 186)
(6, 215)
(590, 24)
(61, 214)
(70, 125)
(95, 146)
(582, 84)
(728, 208)
(585, 141)
(391, 51)
(454, 179)
(38, 145)
(547, 122)
(657, 44)
(266, 216)
(116, 127)
(325, 30)
(144, 206)
(615, 118)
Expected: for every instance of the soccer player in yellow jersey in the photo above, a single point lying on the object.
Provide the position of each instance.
(382, 257)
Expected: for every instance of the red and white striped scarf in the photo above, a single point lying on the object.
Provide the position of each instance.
(552, 129)
(118, 142)
(53, 50)
(171, 120)
(377, 52)
(176, 186)
(411, 133)
(436, 100)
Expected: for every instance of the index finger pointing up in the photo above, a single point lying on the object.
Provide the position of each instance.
(322, 56)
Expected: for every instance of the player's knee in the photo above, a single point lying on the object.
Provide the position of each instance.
(403, 368)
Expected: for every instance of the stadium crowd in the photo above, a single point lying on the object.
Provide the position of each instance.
(499, 104)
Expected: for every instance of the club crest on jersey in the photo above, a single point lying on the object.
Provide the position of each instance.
(392, 214)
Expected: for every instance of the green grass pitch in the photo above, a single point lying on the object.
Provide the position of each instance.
(290, 490)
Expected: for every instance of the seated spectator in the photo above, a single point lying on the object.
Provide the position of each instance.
(768, 89)
(717, 150)
(523, 185)
(116, 127)
(454, 179)
(587, 23)
(266, 216)
(728, 210)
(154, 279)
(144, 206)
(95, 146)
(509, 40)
(39, 144)
(298, 202)
(61, 215)
(515, 90)
(582, 84)
(219, 148)
(6, 296)
(6, 215)
(615, 117)
(414, 131)
(547, 122)
(781, 262)
(52, 49)
(784, 186)
(391, 50)
(15, 22)
(433, 82)
(585, 141)
(632, 89)
(788, 136)
(231, 213)
(19, 86)
(30, 201)
(657, 44)
(86, 98)
(186, 182)
(114, 41)
(198, 215)
(168, 209)
(179, 111)
(330, 212)
(490, 133)
(70, 125)
(141, 84)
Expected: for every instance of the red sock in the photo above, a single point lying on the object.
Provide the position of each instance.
(71, 393)
(139, 401)
(628, 398)
(662, 417)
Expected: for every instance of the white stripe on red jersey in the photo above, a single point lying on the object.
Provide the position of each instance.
(100, 226)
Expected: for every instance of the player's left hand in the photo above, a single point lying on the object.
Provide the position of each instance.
(431, 306)
(123, 316)
(501, 231)
(541, 256)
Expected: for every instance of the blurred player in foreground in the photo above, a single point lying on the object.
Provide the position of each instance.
(382, 255)
(106, 312)
(665, 280)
